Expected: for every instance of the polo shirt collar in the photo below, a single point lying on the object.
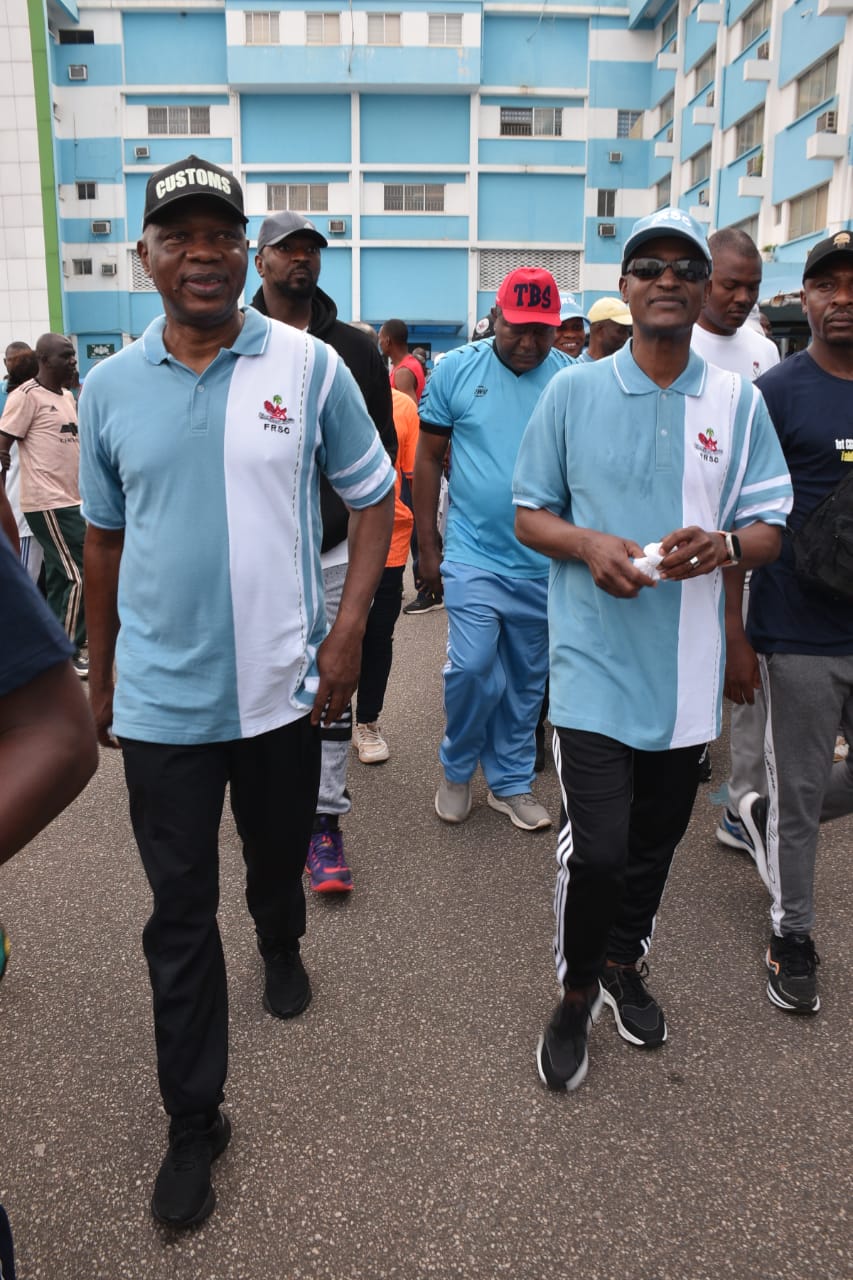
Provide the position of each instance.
(251, 340)
(632, 380)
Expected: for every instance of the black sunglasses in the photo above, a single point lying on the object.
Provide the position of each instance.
(691, 269)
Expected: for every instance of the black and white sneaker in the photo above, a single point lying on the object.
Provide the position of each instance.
(639, 1018)
(561, 1055)
(80, 663)
(792, 965)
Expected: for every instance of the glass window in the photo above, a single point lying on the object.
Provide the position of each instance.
(669, 27)
(261, 28)
(666, 110)
(606, 203)
(323, 28)
(445, 28)
(705, 70)
(179, 120)
(755, 22)
(81, 266)
(414, 197)
(807, 213)
(301, 197)
(531, 122)
(750, 132)
(700, 166)
(383, 28)
(663, 191)
(818, 84)
(629, 124)
(86, 190)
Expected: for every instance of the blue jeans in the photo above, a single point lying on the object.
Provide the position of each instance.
(494, 680)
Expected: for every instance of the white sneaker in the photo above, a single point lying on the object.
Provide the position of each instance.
(369, 743)
(523, 810)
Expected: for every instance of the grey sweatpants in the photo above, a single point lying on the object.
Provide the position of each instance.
(807, 698)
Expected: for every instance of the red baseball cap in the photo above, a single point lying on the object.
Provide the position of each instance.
(529, 295)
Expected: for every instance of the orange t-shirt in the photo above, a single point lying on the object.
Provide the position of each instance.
(407, 424)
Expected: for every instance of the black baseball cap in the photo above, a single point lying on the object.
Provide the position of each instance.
(279, 226)
(191, 177)
(841, 242)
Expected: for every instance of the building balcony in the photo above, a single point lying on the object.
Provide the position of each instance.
(707, 12)
(705, 115)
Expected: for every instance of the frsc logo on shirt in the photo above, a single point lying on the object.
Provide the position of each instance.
(845, 449)
(275, 418)
(706, 444)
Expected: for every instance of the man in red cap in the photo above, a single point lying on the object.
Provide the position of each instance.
(480, 397)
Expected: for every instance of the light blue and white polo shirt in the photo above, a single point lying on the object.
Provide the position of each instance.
(607, 449)
(484, 408)
(214, 478)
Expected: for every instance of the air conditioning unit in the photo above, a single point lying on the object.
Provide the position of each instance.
(709, 98)
(755, 166)
(101, 228)
(607, 230)
(669, 134)
(109, 268)
(704, 198)
(78, 71)
(762, 53)
(615, 157)
(337, 226)
(827, 122)
(142, 153)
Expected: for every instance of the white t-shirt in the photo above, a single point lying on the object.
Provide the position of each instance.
(745, 352)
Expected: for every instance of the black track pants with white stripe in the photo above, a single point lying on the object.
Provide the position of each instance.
(60, 534)
(622, 816)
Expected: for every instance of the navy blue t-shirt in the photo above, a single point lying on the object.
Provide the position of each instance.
(812, 412)
(33, 640)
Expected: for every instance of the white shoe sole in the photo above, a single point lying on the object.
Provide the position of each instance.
(501, 806)
(607, 999)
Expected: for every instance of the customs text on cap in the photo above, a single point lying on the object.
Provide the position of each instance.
(191, 177)
(666, 222)
(279, 226)
(840, 243)
(529, 295)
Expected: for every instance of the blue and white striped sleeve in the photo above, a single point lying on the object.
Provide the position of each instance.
(766, 493)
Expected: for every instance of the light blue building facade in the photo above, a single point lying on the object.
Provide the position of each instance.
(439, 143)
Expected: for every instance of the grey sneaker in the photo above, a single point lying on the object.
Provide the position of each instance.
(523, 810)
(453, 800)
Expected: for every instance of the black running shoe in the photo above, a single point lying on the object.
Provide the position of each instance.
(424, 602)
(705, 764)
(183, 1194)
(639, 1018)
(792, 965)
(561, 1055)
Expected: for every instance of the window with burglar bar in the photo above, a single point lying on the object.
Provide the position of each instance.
(179, 120)
(262, 28)
(414, 197)
(445, 28)
(383, 28)
(301, 197)
(531, 122)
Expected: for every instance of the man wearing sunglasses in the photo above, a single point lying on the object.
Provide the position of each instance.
(688, 456)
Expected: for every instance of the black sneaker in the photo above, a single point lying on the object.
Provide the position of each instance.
(424, 602)
(705, 764)
(639, 1018)
(183, 1195)
(287, 991)
(792, 964)
(561, 1055)
(80, 663)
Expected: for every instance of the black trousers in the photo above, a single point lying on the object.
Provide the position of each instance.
(176, 799)
(377, 651)
(623, 814)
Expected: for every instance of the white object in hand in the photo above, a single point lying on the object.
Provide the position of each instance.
(648, 562)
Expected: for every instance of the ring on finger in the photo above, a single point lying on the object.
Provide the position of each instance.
(694, 562)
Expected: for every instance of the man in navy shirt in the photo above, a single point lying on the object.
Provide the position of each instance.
(804, 640)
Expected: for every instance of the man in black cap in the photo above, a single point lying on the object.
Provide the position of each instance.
(201, 446)
(288, 262)
(802, 637)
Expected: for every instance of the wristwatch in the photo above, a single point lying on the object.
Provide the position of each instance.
(732, 542)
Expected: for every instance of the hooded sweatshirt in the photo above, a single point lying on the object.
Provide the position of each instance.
(362, 358)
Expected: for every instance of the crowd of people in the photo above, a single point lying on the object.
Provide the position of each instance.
(587, 494)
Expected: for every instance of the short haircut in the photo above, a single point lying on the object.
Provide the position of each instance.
(396, 330)
(18, 346)
(736, 239)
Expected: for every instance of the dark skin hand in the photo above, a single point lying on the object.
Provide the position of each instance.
(742, 673)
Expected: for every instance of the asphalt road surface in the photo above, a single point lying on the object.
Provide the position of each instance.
(398, 1130)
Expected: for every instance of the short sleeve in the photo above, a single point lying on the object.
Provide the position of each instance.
(33, 640)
